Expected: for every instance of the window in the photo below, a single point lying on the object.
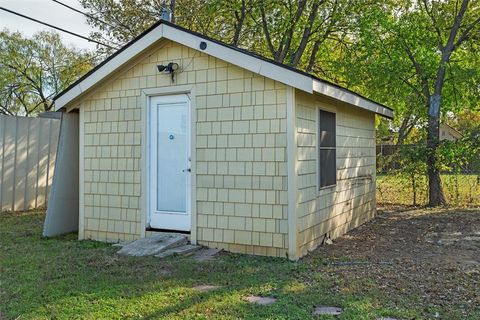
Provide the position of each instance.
(327, 154)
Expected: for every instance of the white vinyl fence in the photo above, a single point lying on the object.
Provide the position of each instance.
(27, 158)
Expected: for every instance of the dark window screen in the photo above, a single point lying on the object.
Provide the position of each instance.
(327, 159)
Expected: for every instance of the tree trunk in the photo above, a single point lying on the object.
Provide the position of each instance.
(240, 19)
(404, 129)
(414, 189)
(313, 56)
(435, 192)
(172, 10)
(307, 33)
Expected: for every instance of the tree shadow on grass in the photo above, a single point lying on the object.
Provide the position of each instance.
(66, 278)
(63, 277)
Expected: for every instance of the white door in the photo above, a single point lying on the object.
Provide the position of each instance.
(169, 162)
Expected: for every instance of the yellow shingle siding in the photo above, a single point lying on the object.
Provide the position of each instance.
(333, 211)
(241, 170)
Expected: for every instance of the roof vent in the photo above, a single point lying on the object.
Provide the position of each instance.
(166, 14)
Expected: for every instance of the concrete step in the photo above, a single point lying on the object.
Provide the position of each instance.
(154, 244)
(150, 233)
(181, 251)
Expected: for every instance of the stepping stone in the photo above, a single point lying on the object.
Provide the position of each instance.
(264, 301)
(324, 310)
(183, 250)
(153, 245)
(205, 288)
(164, 272)
(208, 254)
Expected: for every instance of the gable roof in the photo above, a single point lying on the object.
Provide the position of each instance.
(240, 57)
(457, 133)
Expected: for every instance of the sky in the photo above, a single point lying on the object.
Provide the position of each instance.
(49, 12)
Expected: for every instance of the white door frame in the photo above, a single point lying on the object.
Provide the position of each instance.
(176, 216)
(145, 203)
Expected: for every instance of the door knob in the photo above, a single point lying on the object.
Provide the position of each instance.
(187, 170)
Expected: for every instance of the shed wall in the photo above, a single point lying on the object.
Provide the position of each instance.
(333, 211)
(241, 171)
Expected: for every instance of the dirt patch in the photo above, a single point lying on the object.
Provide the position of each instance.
(102, 261)
(207, 254)
(430, 254)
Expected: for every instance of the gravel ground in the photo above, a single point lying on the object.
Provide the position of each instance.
(430, 257)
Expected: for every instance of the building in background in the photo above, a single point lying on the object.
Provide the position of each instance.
(449, 133)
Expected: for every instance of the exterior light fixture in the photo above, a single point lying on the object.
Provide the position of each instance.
(170, 68)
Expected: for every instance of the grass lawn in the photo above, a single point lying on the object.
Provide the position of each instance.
(64, 278)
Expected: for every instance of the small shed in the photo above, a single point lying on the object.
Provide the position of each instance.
(180, 132)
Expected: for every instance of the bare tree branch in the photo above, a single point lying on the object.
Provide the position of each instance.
(307, 32)
(434, 23)
(466, 33)
(266, 32)
(419, 70)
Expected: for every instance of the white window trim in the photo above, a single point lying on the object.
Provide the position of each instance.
(326, 189)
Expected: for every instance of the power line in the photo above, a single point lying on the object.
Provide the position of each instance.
(90, 16)
(57, 28)
(83, 13)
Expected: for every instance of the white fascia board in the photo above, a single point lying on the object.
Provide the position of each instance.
(350, 98)
(104, 71)
(240, 59)
(67, 97)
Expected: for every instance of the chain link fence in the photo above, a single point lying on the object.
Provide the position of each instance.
(402, 179)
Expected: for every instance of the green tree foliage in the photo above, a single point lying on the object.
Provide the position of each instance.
(361, 44)
(293, 32)
(396, 55)
(467, 121)
(33, 71)
(420, 56)
(296, 32)
(120, 21)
